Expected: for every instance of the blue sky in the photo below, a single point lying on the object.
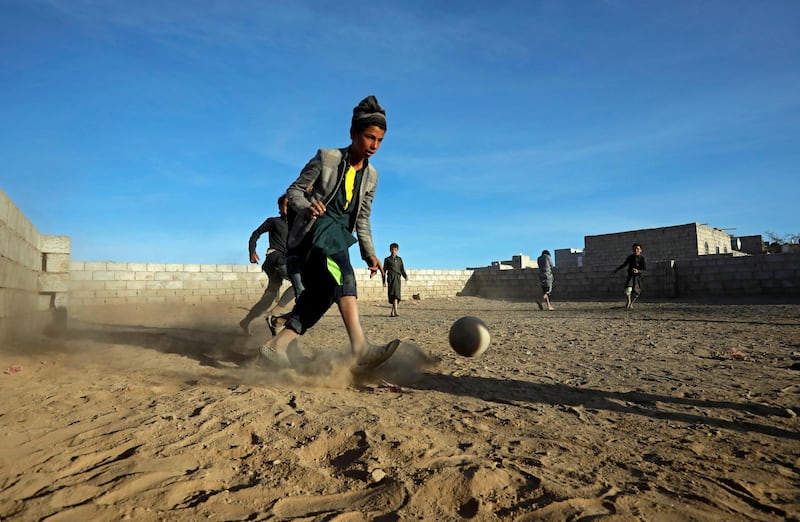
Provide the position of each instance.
(164, 131)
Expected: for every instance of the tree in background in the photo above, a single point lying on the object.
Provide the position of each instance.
(776, 242)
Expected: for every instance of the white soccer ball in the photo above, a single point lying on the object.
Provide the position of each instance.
(469, 336)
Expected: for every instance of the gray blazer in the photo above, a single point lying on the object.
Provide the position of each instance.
(319, 180)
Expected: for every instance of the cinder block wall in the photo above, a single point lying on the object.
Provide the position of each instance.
(97, 283)
(725, 276)
(38, 280)
(775, 275)
(34, 274)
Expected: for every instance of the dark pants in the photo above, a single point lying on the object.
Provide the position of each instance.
(634, 282)
(276, 269)
(326, 279)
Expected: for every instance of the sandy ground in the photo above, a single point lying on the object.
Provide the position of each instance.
(670, 411)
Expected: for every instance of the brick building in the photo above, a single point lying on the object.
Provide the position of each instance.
(659, 244)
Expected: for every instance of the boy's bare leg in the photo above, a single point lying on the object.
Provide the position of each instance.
(547, 301)
(348, 309)
(274, 350)
(369, 355)
(282, 304)
(281, 342)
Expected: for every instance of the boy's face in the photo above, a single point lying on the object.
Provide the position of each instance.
(637, 250)
(367, 142)
(393, 251)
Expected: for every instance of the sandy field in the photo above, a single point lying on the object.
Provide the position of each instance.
(670, 411)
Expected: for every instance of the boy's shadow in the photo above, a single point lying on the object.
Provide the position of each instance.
(514, 392)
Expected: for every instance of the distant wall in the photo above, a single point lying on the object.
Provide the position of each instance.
(774, 275)
(38, 279)
(34, 274)
(724, 276)
(93, 283)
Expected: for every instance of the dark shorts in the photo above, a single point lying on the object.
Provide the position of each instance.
(326, 279)
(634, 282)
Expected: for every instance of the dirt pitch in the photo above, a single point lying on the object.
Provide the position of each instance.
(671, 411)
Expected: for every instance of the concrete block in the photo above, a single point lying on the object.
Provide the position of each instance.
(5, 205)
(86, 285)
(56, 262)
(116, 285)
(81, 296)
(53, 244)
(49, 282)
(136, 285)
(5, 239)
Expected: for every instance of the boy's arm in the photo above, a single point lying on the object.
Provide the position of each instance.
(374, 266)
(257, 233)
(299, 191)
(383, 271)
(363, 223)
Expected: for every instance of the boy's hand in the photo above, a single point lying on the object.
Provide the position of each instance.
(316, 209)
(254, 257)
(374, 266)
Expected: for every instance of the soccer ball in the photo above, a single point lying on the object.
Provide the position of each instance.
(469, 336)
